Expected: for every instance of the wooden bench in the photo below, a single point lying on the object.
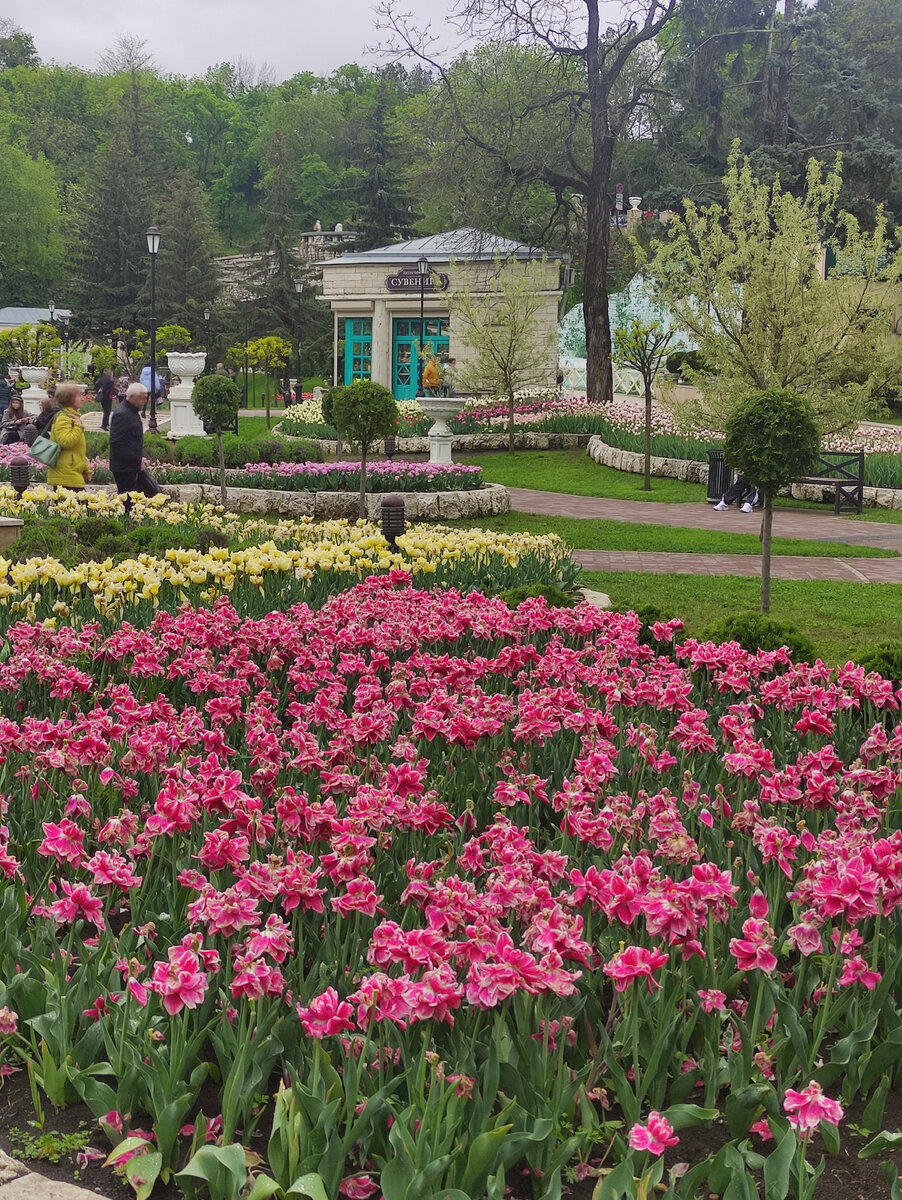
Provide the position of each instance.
(845, 473)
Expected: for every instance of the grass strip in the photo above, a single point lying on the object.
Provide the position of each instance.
(843, 620)
(624, 535)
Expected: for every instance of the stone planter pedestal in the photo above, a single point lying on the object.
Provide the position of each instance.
(440, 408)
(183, 420)
(35, 377)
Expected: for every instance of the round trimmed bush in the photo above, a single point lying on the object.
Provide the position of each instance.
(195, 451)
(754, 631)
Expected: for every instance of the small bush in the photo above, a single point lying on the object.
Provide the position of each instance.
(97, 445)
(301, 452)
(754, 631)
(648, 615)
(886, 660)
(270, 450)
(157, 449)
(531, 591)
(684, 360)
(195, 451)
(238, 452)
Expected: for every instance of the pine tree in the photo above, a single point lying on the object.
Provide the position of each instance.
(278, 298)
(385, 214)
(186, 277)
(113, 256)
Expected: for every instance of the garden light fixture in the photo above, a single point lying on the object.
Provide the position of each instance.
(392, 515)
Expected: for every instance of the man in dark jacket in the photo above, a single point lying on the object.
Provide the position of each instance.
(104, 391)
(127, 441)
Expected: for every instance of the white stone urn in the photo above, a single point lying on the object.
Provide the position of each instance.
(635, 201)
(183, 420)
(35, 377)
(440, 409)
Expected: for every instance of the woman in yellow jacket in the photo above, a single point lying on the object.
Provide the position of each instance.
(71, 470)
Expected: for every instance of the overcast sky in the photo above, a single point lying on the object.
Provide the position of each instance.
(187, 36)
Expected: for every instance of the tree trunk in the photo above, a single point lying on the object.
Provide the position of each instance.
(766, 525)
(599, 375)
(784, 76)
(268, 409)
(510, 423)
(646, 486)
(362, 507)
(222, 479)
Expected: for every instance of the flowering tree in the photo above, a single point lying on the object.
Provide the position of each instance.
(271, 354)
(744, 279)
(643, 345)
(509, 350)
(30, 345)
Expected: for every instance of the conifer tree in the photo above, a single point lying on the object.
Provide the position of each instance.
(186, 277)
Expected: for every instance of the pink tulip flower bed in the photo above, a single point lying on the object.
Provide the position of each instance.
(426, 892)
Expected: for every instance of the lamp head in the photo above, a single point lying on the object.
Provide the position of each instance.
(153, 239)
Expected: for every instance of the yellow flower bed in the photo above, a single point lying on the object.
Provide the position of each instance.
(296, 550)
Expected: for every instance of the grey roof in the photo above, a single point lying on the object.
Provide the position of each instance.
(470, 244)
(30, 316)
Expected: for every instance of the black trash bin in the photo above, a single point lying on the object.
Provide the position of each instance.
(720, 475)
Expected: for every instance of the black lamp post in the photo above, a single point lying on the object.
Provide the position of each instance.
(244, 304)
(153, 246)
(423, 272)
(64, 322)
(299, 288)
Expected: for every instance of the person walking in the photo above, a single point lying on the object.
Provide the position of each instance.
(71, 470)
(154, 382)
(104, 391)
(431, 376)
(127, 442)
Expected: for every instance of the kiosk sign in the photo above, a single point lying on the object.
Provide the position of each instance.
(408, 280)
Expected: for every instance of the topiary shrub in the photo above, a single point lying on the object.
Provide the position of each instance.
(364, 412)
(754, 631)
(195, 451)
(531, 591)
(885, 659)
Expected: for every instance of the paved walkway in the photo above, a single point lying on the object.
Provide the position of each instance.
(789, 523)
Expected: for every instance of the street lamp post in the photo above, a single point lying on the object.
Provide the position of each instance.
(299, 288)
(423, 272)
(153, 246)
(64, 322)
(244, 302)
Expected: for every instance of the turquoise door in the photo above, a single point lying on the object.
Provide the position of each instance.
(358, 348)
(405, 345)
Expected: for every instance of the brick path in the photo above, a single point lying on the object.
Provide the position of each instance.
(789, 523)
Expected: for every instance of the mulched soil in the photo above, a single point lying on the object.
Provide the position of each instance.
(846, 1176)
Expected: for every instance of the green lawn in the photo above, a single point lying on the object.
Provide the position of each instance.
(623, 535)
(842, 619)
(573, 472)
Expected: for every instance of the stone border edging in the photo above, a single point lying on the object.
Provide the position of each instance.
(473, 442)
(692, 471)
(631, 461)
(487, 501)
